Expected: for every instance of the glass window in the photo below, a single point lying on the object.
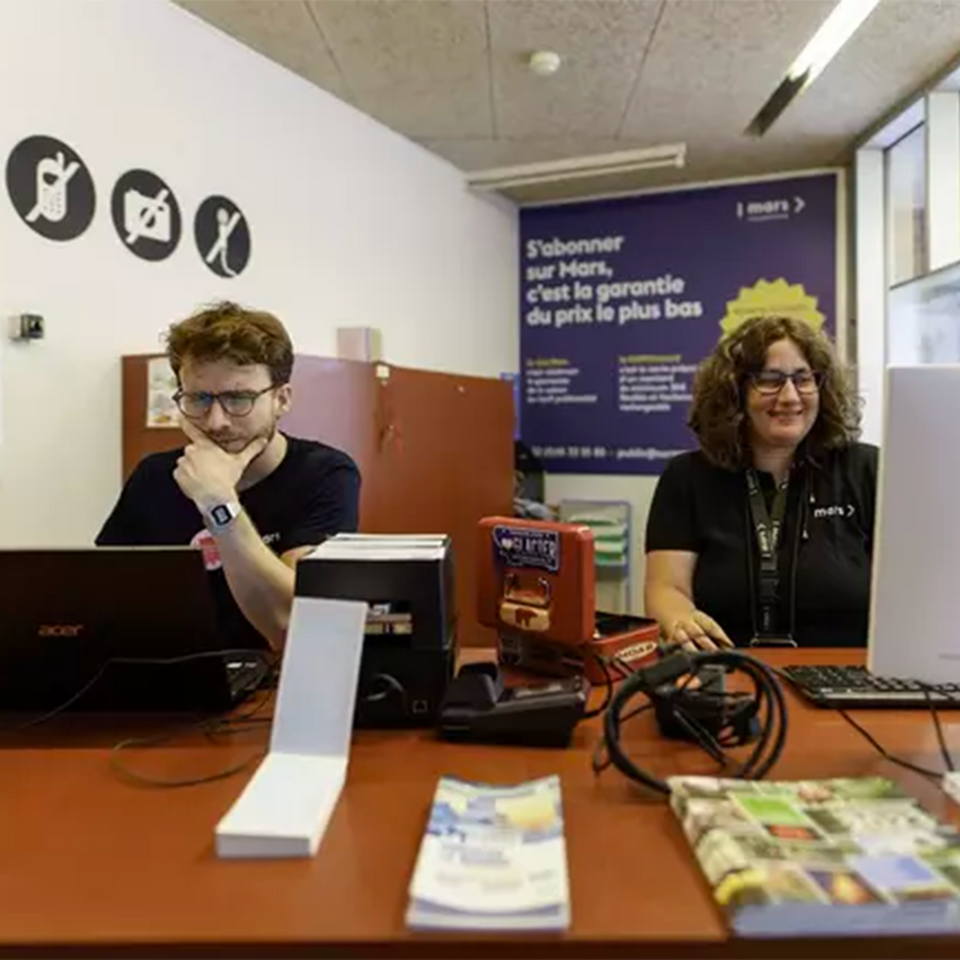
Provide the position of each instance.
(906, 164)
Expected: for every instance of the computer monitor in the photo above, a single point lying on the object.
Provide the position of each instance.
(76, 620)
(915, 597)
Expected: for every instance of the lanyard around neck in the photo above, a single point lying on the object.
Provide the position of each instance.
(767, 525)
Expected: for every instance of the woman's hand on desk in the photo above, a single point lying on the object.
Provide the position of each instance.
(697, 631)
(668, 594)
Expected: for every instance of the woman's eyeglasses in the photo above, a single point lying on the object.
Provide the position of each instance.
(234, 403)
(769, 383)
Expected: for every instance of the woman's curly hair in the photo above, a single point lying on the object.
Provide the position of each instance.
(718, 415)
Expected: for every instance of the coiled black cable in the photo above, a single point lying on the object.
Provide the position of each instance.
(731, 725)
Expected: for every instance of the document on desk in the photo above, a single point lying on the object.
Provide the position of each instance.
(854, 857)
(382, 547)
(492, 858)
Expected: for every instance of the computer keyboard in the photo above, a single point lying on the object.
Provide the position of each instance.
(856, 687)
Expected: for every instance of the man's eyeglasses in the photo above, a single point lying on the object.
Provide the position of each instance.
(769, 383)
(234, 403)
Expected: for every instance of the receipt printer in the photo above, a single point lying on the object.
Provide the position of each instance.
(409, 645)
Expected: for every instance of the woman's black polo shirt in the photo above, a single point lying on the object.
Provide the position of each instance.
(828, 528)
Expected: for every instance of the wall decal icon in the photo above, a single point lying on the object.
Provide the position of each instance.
(223, 236)
(146, 215)
(50, 188)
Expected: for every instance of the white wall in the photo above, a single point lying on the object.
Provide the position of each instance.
(871, 287)
(351, 224)
(907, 216)
(943, 178)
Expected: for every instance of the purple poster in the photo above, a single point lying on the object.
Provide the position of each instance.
(621, 299)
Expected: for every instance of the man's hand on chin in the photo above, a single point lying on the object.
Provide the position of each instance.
(207, 473)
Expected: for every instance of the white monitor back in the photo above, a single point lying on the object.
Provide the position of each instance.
(915, 598)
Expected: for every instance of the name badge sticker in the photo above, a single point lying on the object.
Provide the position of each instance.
(525, 547)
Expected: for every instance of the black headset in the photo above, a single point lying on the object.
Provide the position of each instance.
(703, 712)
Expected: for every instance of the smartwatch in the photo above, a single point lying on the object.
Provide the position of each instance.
(223, 514)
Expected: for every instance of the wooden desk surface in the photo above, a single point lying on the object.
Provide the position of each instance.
(92, 866)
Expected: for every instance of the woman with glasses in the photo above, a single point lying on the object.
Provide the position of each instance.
(764, 535)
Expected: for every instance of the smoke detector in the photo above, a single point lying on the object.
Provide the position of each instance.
(544, 63)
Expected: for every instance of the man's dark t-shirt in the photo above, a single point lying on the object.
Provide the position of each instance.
(828, 528)
(312, 494)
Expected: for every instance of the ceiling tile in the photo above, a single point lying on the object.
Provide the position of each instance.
(900, 47)
(419, 66)
(601, 43)
(484, 152)
(282, 30)
(452, 74)
(713, 63)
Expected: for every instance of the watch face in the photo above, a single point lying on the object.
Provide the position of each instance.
(221, 514)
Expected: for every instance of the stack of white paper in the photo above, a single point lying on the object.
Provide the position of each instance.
(285, 808)
(377, 546)
(492, 858)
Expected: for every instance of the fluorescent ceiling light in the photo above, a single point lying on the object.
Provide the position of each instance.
(599, 165)
(844, 20)
(834, 32)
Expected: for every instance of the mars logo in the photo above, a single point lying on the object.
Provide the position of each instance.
(821, 513)
(780, 208)
(204, 539)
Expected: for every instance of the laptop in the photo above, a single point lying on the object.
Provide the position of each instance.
(115, 629)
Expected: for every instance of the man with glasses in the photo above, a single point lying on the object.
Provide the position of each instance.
(765, 534)
(252, 498)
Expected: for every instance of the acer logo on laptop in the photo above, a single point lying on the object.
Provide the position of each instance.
(59, 629)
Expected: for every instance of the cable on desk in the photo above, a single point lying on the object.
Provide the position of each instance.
(899, 761)
(625, 669)
(714, 720)
(56, 711)
(234, 723)
(941, 740)
(145, 780)
(270, 659)
(211, 727)
(604, 665)
(238, 722)
(601, 757)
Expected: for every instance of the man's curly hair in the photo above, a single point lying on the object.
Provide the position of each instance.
(718, 414)
(225, 331)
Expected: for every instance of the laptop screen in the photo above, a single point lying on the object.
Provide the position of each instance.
(67, 614)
